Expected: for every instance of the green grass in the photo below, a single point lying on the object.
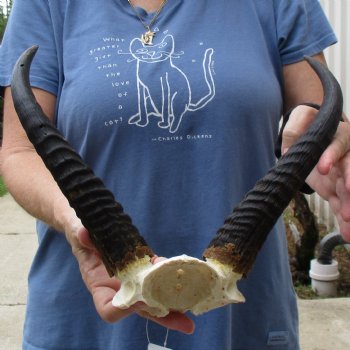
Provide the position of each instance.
(3, 189)
(305, 292)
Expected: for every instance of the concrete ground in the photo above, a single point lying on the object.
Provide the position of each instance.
(17, 247)
(324, 324)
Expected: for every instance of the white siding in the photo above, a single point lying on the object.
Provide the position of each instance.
(338, 56)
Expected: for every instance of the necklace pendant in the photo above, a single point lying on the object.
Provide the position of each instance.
(147, 38)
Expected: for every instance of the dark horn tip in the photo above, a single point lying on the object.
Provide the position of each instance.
(25, 60)
(20, 85)
(31, 51)
(315, 64)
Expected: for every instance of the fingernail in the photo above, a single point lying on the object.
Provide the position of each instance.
(285, 150)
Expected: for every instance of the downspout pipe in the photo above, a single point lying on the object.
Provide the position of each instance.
(327, 244)
(324, 271)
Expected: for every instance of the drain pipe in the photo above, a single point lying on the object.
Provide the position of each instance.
(324, 271)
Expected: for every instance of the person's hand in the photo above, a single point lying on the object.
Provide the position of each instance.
(331, 177)
(103, 288)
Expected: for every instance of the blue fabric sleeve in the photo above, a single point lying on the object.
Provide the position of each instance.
(30, 23)
(302, 29)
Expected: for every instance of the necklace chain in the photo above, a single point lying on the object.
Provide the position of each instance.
(147, 37)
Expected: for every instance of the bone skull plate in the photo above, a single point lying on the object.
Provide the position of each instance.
(181, 283)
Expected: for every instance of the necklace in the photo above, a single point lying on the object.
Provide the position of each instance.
(147, 37)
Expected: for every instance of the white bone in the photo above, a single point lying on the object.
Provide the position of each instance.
(181, 283)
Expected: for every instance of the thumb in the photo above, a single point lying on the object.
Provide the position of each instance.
(299, 121)
(157, 259)
(84, 238)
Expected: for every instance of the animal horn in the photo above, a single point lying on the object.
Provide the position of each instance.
(111, 230)
(239, 240)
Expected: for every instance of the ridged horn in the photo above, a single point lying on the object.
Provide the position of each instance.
(111, 230)
(239, 240)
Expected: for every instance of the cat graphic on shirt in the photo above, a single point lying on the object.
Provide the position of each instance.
(166, 94)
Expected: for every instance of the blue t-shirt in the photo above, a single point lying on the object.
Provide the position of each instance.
(179, 131)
